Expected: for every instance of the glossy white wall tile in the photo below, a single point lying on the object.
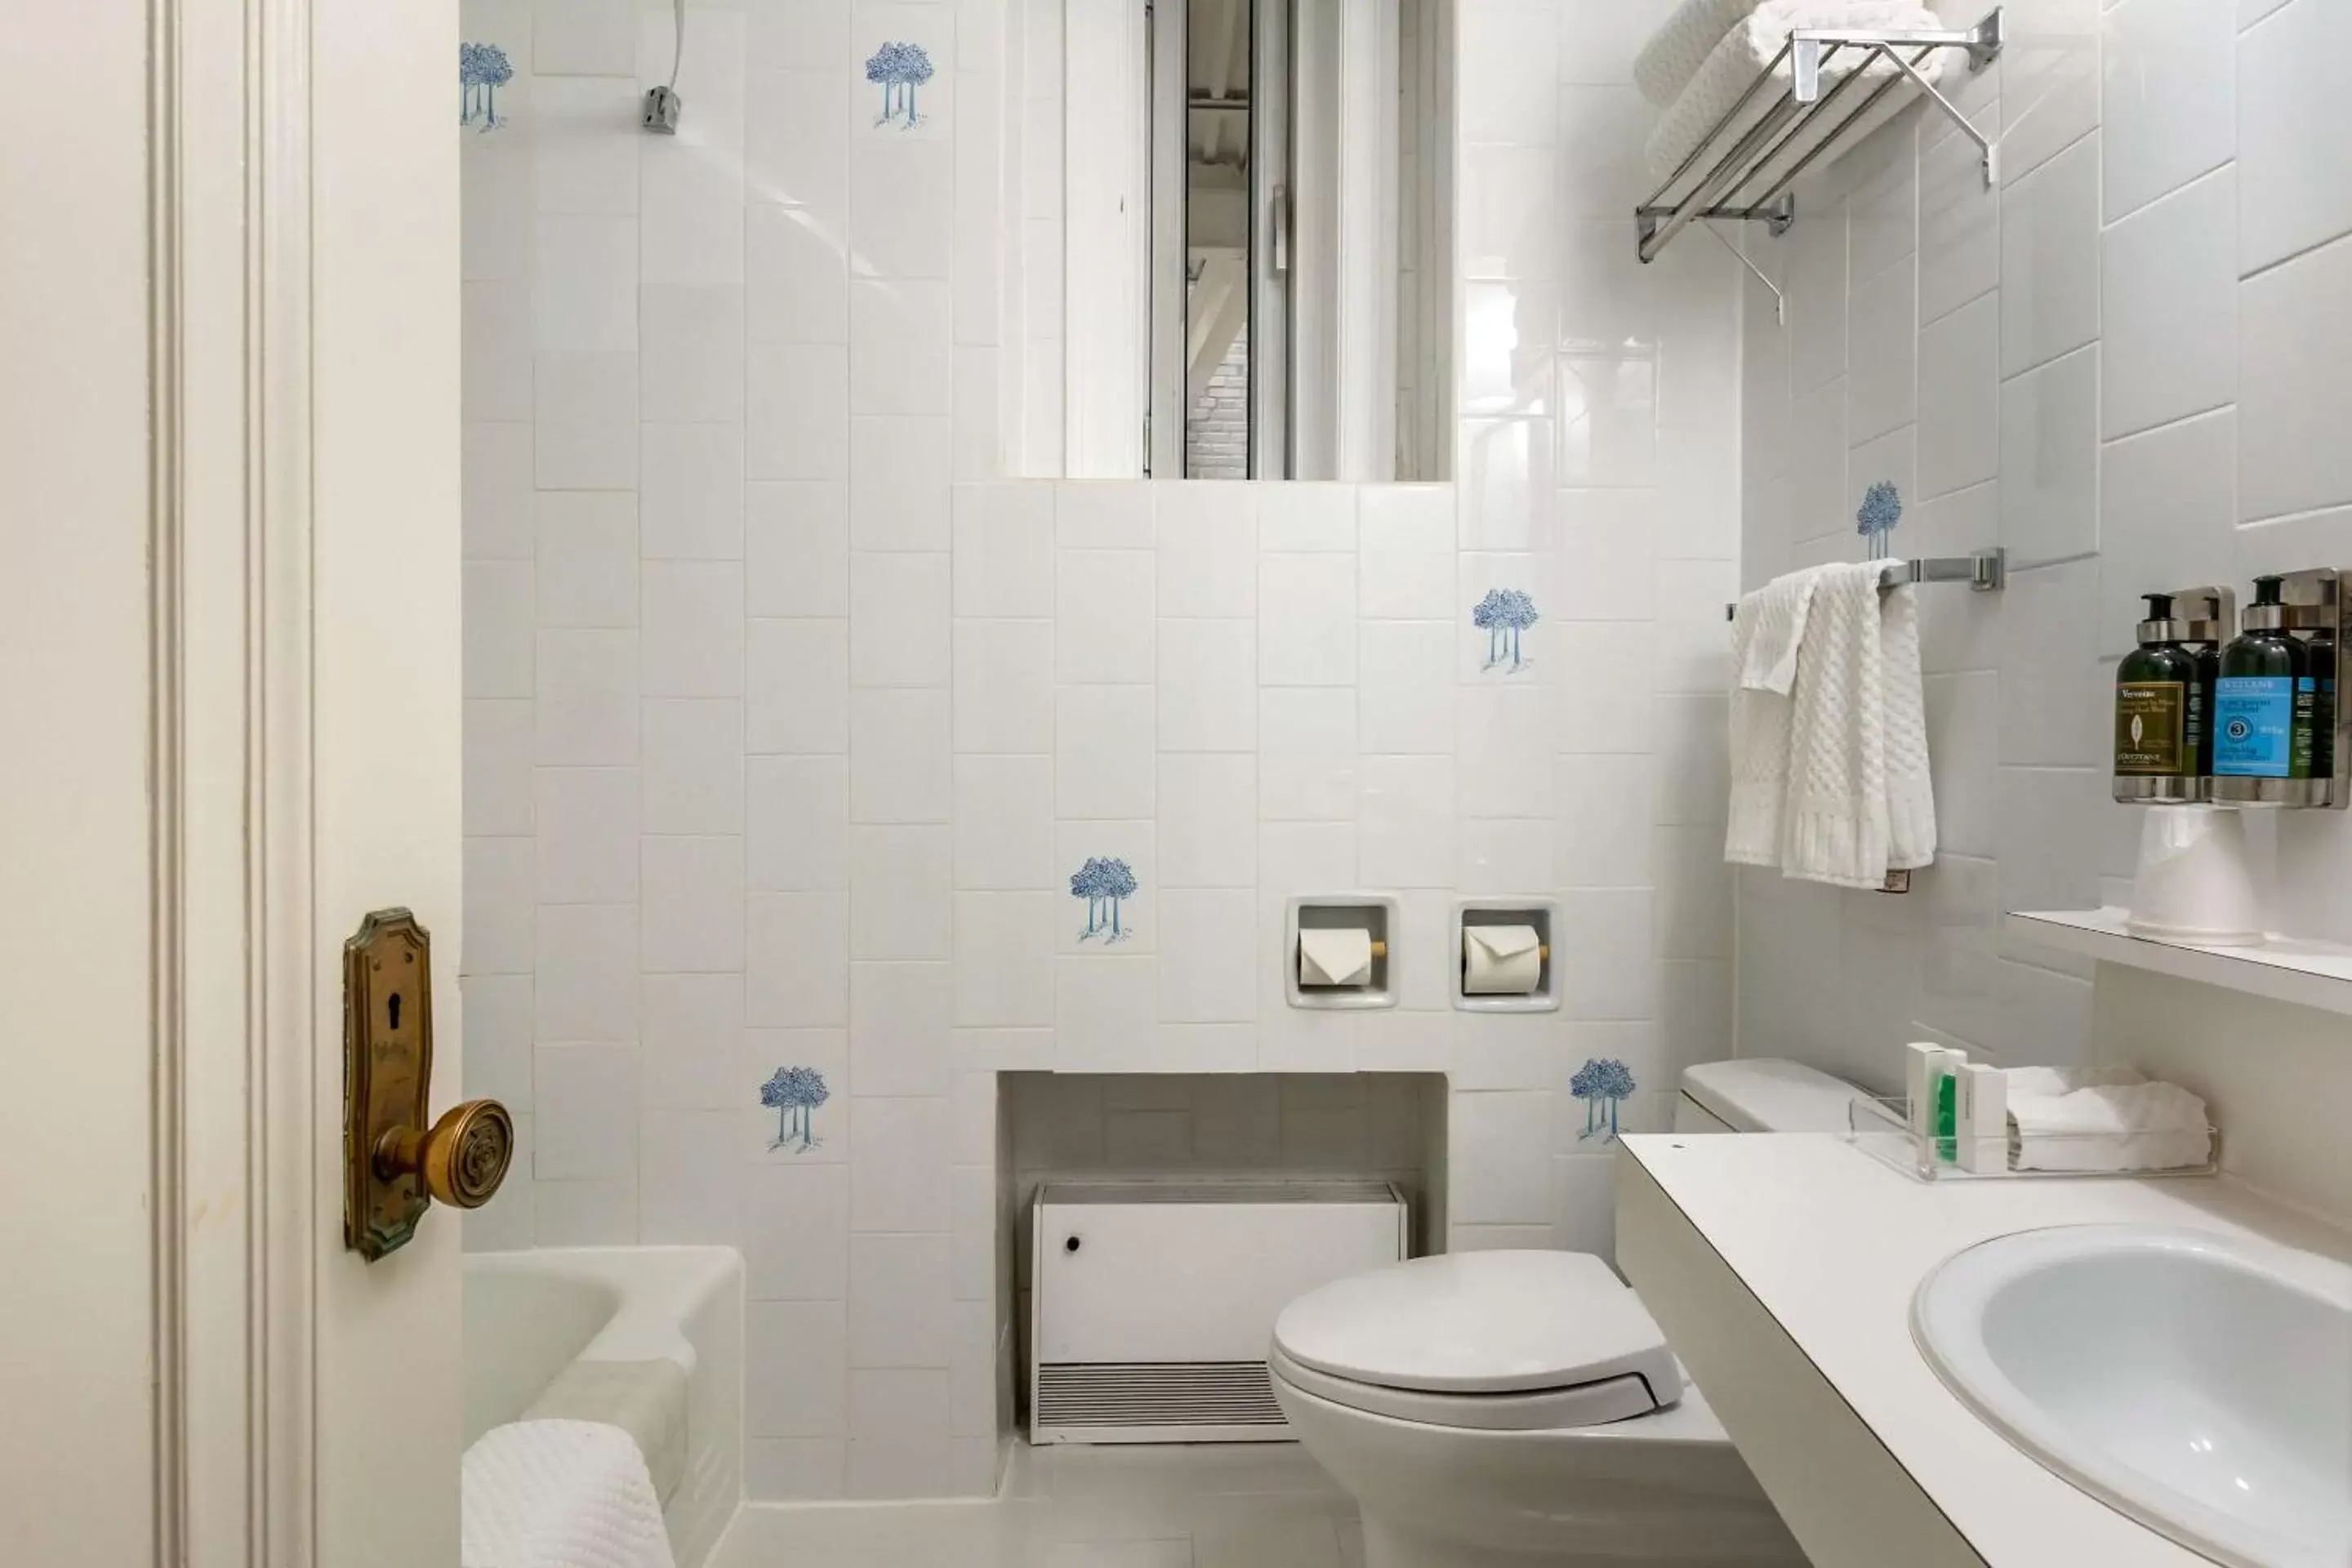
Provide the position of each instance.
(2168, 287)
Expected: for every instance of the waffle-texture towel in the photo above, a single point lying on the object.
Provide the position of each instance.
(1829, 748)
(1839, 826)
(1681, 45)
(560, 1494)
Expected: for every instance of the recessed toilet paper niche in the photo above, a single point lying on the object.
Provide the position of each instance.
(1501, 958)
(1336, 951)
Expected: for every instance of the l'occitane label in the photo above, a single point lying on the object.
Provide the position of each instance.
(2152, 730)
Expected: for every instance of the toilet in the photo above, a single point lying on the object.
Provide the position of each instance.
(1517, 1409)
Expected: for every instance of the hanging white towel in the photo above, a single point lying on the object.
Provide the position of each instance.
(560, 1494)
(1829, 733)
(2110, 1127)
(1835, 827)
(1750, 46)
(1766, 630)
(1910, 791)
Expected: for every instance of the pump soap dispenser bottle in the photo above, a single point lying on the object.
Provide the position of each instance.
(2261, 710)
(2160, 713)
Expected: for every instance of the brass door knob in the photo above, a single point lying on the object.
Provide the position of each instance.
(462, 1157)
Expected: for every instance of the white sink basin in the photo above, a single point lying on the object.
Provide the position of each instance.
(2200, 1383)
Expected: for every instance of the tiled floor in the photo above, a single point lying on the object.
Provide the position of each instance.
(1261, 1505)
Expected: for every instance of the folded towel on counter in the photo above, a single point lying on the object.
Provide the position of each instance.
(2048, 1082)
(1681, 45)
(1751, 45)
(1766, 627)
(560, 1494)
(2107, 1126)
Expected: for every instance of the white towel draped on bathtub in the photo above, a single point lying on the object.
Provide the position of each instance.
(560, 1494)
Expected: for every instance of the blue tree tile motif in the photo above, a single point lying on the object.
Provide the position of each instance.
(795, 1094)
(1104, 883)
(1881, 508)
(898, 69)
(482, 70)
(1602, 1083)
(1502, 614)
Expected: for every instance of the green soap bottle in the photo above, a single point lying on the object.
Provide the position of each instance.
(2261, 705)
(2161, 721)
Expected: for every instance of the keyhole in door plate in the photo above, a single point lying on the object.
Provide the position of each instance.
(391, 1011)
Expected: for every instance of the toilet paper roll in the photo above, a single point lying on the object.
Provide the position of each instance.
(1501, 960)
(1340, 955)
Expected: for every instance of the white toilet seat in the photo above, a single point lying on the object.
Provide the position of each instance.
(1537, 1410)
(1504, 1341)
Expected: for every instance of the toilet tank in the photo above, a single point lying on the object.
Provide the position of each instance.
(1762, 1095)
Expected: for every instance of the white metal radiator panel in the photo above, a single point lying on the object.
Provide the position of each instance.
(1155, 1303)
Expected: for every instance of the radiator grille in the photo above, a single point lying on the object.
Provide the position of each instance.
(1157, 1394)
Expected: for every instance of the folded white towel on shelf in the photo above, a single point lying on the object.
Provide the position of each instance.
(2108, 1126)
(1751, 45)
(1681, 45)
(560, 1494)
(1766, 627)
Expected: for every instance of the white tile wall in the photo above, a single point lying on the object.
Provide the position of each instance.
(2131, 358)
(709, 592)
(782, 743)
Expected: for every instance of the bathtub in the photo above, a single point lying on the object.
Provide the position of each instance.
(648, 1337)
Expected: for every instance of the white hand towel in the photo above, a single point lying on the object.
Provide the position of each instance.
(1860, 800)
(560, 1494)
(1766, 630)
(2110, 1127)
(1910, 791)
(1752, 43)
(1834, 826)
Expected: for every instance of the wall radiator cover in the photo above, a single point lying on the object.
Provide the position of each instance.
(1154, 1301)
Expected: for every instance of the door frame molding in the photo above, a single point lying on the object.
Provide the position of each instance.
(236, 1221)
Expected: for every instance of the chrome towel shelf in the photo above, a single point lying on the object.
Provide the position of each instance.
(1987, 571)
(1746, 173)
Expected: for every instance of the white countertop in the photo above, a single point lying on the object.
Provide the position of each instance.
(1834, 1244)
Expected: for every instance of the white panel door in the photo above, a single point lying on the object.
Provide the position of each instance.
(386, 725)
(229, 727)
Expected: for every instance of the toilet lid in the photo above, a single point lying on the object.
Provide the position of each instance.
(1480, 1322)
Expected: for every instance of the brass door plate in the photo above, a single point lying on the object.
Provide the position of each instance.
(396, 1162)
(388, 1073)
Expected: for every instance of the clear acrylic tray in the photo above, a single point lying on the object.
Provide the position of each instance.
(1881, 1128)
